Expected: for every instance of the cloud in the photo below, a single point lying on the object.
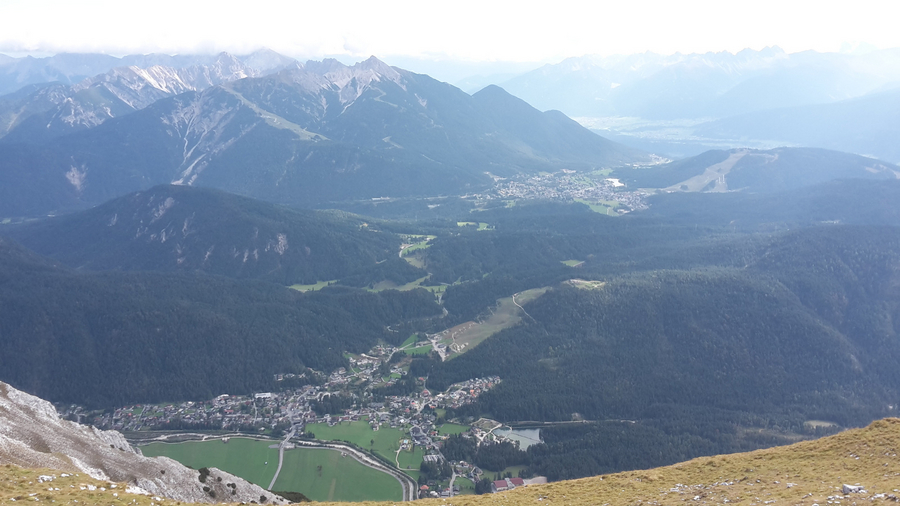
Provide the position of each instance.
(482, 30)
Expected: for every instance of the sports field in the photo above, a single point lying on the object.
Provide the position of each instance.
(452, 428)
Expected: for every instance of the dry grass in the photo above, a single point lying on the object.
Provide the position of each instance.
(805, 473)
(25, 486)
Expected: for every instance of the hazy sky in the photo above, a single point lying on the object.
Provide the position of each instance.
(463, 29)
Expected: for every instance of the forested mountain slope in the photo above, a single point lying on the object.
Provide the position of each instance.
(303, 136)
(109, 339)
(181, 228)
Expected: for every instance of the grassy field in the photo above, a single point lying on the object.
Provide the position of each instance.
(606, 207)
(452, 428)
(511, 469)
(243, 457)
(410, 340)
(309, 288)
(412, 285)
(466, 486)
(411, 460)
(573, 263)
(385, 441)
(415, 242)
(415, 261)
(320, 474)
(324, 475)
(470, 334)
(421, 350)
(805, 473)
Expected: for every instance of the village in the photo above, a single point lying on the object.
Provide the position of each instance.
(342, 398)
(570, 185)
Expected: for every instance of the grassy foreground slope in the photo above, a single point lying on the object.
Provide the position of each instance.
(805, 473)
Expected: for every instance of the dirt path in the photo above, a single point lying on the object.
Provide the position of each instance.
(522, 308)
(331, 490)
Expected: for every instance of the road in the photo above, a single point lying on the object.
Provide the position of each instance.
(281, 446)
(452, 479)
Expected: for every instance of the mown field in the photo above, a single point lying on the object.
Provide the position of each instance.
(320, 474)
(324, 475)
(452, 428)
(806, 473)
(385, 441)
(470, 334)
(250, 459)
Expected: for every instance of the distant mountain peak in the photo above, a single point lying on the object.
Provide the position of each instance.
(373, 63)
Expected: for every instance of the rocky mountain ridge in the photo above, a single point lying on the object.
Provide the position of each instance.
(182, 228)
(305, 136)
(33, 435)
(72, 68)
(56, 109)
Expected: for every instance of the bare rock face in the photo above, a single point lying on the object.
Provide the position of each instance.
(33, 435)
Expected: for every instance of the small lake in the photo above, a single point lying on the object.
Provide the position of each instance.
(525, 437)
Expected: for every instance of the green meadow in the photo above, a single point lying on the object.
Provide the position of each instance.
(250, 459)
(320, 474)
(325, 475)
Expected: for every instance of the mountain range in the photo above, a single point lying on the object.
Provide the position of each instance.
(757, 171)
(677, 86)
(40, 112)
(72, 68)
(683, 104)
(306, 135)
(866, 125)
(739, 298)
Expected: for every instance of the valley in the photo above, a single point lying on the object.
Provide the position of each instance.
(354, 282)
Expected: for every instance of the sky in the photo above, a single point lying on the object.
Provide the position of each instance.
(466, 30)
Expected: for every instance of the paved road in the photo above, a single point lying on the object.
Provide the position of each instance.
(281, 446)
(452, 479)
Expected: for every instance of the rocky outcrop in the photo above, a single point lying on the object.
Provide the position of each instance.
(33, 435)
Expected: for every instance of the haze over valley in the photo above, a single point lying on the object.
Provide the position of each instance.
(268, 269)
